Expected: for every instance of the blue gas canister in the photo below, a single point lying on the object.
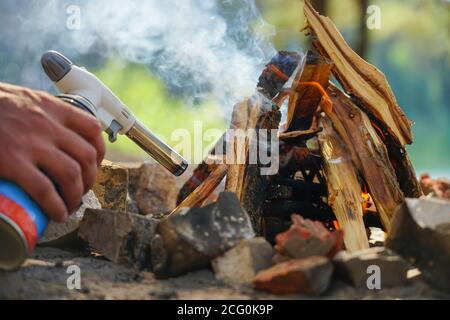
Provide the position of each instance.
(22, 222)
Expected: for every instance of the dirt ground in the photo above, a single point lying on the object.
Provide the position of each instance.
(44, 276)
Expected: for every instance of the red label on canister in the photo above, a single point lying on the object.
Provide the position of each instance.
(18, 215)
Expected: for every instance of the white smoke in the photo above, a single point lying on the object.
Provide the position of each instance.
(198, 47)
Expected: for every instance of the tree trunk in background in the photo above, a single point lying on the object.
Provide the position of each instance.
(362, 42)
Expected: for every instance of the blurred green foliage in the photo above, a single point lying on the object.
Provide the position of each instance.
(152, 104)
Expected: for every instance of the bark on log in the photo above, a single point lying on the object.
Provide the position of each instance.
(344, 188)
(358, 77)
(368, 153)
(406, 175)
(244, 178)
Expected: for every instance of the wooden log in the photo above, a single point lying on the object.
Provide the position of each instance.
(368, 153)
(202, 171)
(358, 77)
(304, 98)
(294, 158)
(406, 175)
(308, 209)
(244, 178)
(344, 188)
(197, 196)
(298, 136)
(302, 186)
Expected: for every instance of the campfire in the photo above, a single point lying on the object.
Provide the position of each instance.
(341, 171)
(342, 149)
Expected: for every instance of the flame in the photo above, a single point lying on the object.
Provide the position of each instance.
(327, 104)
(366, 201)
(336, 225)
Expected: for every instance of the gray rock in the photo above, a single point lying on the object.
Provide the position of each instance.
(239, 265)
(190, 239)
(420, 232)
(61, 234)
(377, 237)
(152, 189)
(123, 238)
(354, 267)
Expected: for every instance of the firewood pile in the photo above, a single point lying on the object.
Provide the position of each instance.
(341, 169)
(342, 151)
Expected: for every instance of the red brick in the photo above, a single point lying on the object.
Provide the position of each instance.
(306, 238)
(309, 276)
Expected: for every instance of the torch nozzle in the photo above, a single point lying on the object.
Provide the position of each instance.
(157, 149)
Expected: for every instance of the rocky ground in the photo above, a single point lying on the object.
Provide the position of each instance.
(44, 276)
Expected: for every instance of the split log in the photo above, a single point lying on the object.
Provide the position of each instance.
(203, 170)
(368, 153)
(270, 83)
(358, 77)
(406, 175)
(277, 73)
(196, 197)
(298, 136)
(244, 178)
(305, 98)
(344, 188)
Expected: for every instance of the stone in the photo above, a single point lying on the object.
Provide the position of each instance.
(377, 237)
(420, 232)
(190, 239)
(272, 226)
(65, 234)
(354, 267)
(439, 187)
(152, 189)
(121, 237)
(310, 276)
(239, 265)
(306, 238)
(111, 186)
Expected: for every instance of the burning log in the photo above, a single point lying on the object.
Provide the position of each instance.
(358, 77)
(368, 154)
(344, 188)
(404, 170)
(244, 178)
(203, 170)
(306, 93)
(196, 197)
(299, 136)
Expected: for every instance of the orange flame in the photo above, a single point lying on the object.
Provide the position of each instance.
(327, 104)
(336, 225)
